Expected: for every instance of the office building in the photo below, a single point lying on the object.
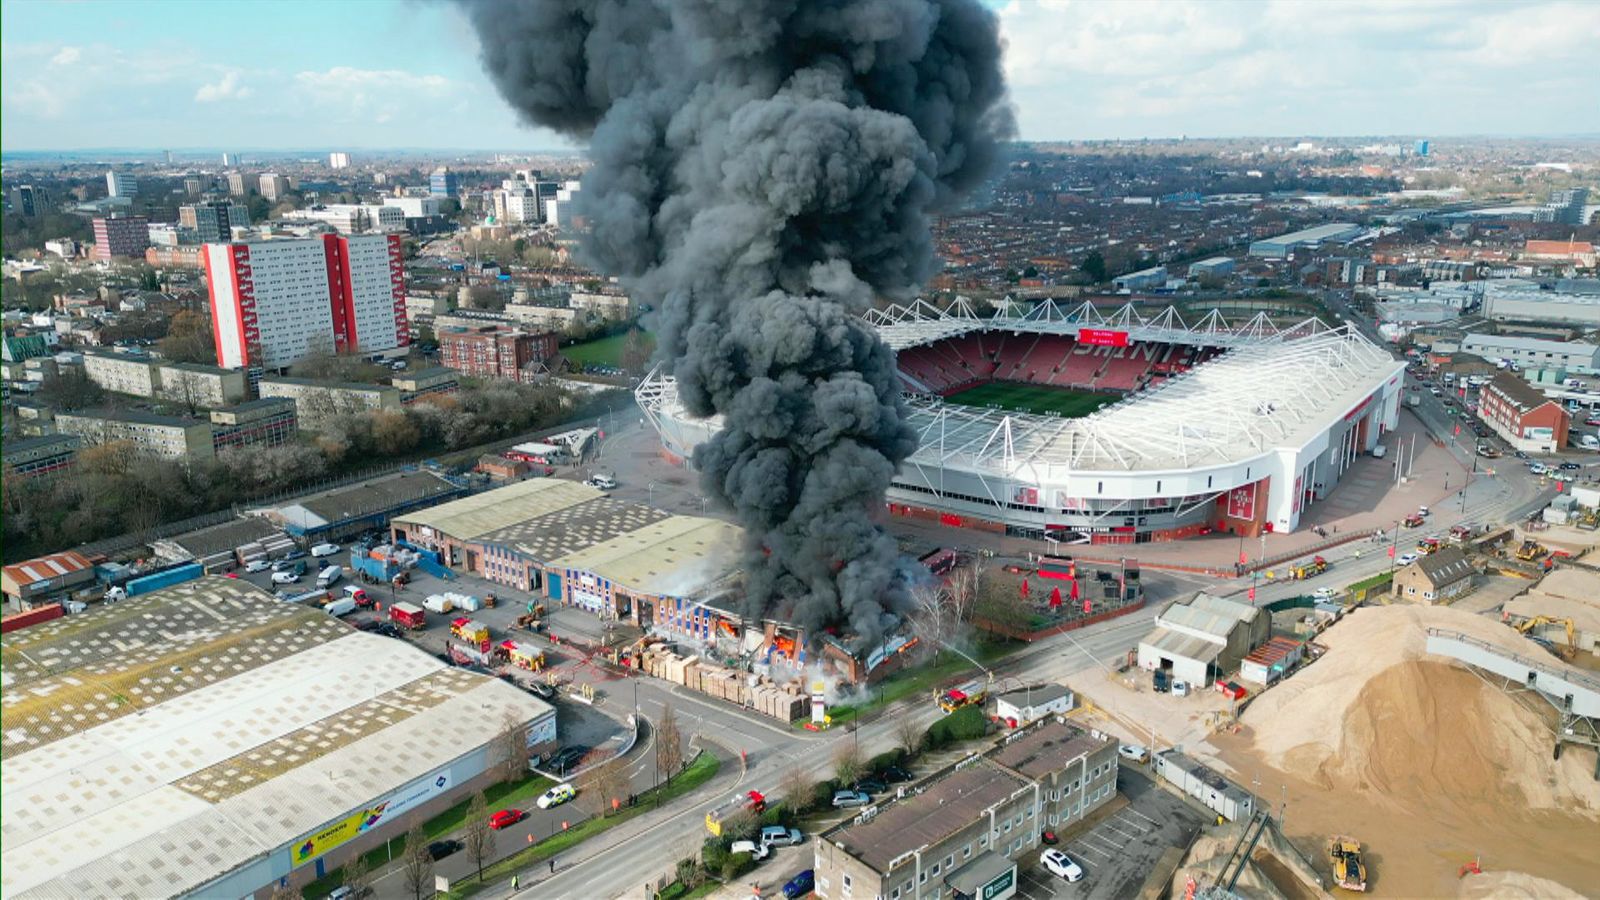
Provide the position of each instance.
(268, 422)
(1527, 419)
(1421, 148)
(414, 207)
(349, 218)
(1283, 246)
(238, 184)
(213, 221)
(230, 159)
(120, 236)
(274, 301)
(274, 187)
(964, 831)
(338, 160)
(194, 187)
(442, 183)
(166, 437)
(497, 352)
(28, 200)
(121, 184)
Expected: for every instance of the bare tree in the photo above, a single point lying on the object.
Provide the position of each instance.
(847, 762)
(607, 786)
(284, 892)
(511, 746)
(669, 745)
(941, 610)
(357, 876)
(416, 864)
(798, 788)
(479, 837)
(908, 734)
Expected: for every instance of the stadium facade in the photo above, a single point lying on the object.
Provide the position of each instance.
(1222, 426)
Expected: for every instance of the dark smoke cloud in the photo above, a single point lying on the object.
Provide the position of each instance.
(763, 169)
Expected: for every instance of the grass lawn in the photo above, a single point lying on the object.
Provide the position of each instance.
(1033, 398)
(920, 680)
(606, 351)
(701, 770)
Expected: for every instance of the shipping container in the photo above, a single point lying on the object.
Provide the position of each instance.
(33, 616)
(155, 581)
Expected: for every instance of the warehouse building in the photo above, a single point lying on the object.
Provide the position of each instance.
(1573, 301)
(964, 830)
(345, 511)
(232, 743)
(1525, 418)
(1284, 245)
(1199, 639)
(1534, 353)
(36, 579)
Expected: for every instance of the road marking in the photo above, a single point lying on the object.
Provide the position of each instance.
(1132, 811)
(1130, 835)
(1081, 849)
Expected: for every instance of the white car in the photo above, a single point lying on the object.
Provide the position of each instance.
(1406, 559)
(1061, 865)
(756, 851)
(287, 576)
(257, 565)
(322, 550)
(556, 796)
(1324, 593)
(1134, 752)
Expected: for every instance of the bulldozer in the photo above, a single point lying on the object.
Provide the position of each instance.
(1311, 569)
(1565, 651)
(1349, 871)
(1531, 550)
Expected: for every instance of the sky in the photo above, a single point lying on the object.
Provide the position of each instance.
(358, 74)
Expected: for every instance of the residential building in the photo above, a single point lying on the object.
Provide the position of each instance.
(268, 422)
(122, 373)
(201, 385)
(168, 437)
(518, 204)
(34, 579)
(47, 455)
(1283, 246)
(413, 386)
(28, 200)
(184, 257)
(1527, 419)
(1198, 639)
(1534, 353)
(274, 187)
(1437, 577)
(1565, 207)
(338, 160)
(120, 236)
(213, 221)
(442, 183)
(274, 301)
(496, 352)
(121, 184)
(66, 248)
(616, 307)
(963, 831)
(351, 218)
(1578, 253)
(166, 234)
(317, 401)
(238, 183)
(542, 318)
(414, 207)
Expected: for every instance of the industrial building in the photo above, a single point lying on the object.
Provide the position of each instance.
(966, 828)
(1527, 419)
(231, 743)
(1283, 246)
(36, 579)
(1142, 280)
(341, 512)
(1535, 353)
(1574, 301)
(1216, 266)
(1199, 639)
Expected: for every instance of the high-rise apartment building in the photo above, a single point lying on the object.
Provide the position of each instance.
(121, 184)
(120, 236)
(274, 187)
(238, 184)
(29, 201)
(338, 160)
(274, 301)
(442, 183)
(213, 221)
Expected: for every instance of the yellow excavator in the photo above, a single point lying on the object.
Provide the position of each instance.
(1349, 871)
(1566, 651)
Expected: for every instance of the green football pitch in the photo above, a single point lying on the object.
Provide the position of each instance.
(1033, 398)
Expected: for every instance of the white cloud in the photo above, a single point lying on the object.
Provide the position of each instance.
(374, 95)
(66, 56)
(228, 88)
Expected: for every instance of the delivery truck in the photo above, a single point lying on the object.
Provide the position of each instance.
(329, 576)
(408, 615)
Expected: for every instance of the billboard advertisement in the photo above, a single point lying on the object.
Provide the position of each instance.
(1100, 337)
(1026, 495)
(1242, 502)
(395, 805)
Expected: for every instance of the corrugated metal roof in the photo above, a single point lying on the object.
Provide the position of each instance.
(472, 517)
(1186, 646)
(53, 566)
(674, 557)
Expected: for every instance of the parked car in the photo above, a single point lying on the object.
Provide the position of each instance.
(287, 576)
(800, 885)
(541, 690)
(757, 851)
(556, 796)
(1180, 688)
(322, 550)
(779, 836)
(1324, 593)
(257, 565)
(871, 786)
(847, 799)
(1519, 454)
(895, 775)
(440, 849)
(296, 553)
(506, 818)
(1406, 559)
(1134, 752)
(568, 757)
(1049, 838)
(1571, 466)
(1061, 865)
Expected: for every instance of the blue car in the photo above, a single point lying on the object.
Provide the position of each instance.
(798, 886)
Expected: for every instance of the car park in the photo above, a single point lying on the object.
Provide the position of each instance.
(800, 885)
(440, 849)
(506, 818)
(1061, 865)
(779, 836)
(1133, 752)
(322, 550)
(848, 799)
(556, 796)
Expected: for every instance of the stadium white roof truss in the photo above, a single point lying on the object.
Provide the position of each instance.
(920, 322)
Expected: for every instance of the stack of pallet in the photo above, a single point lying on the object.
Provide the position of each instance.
(724, 684)
(785, 703)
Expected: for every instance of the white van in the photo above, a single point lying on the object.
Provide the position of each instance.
(1378, 451)
(343, 606)
(329, 576)
(1590, 442)
(603, 482)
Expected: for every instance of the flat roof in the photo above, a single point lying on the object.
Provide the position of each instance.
(327, 385)
(226, 537)
(17, 446)
(472, 517)
(675, 556)
(572, 529)
(153, 745)
(939, 810)
(1309, 235)
(253, 405)
(1518, 342)
(133, 416)
(369, 497)
(1049, 747)
(1043, 693)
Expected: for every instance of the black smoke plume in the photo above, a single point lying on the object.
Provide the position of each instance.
(762, 169)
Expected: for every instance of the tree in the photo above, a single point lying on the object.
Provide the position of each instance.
(799, 788)
(183, 387)
(71, 391)
(607, 787)
(669, 745)
(393, 433)
(479, 836)
(485, 296)
(511, 745)
(189, 339)
(1094, 266)
(907, 734)
(416, 863)
(357, 876)
(847, 762)
(285, 892)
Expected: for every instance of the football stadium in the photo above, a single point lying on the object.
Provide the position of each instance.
(1115, 425)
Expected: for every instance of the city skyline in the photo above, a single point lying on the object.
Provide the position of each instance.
(1077, 72)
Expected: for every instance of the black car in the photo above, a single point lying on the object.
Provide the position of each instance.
(895, 775)
(871, 786)
(1519, 454)
(370, 626)
(440, 849)
(568, 757)
(1570, 466)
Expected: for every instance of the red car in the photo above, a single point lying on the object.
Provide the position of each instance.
(506, 818)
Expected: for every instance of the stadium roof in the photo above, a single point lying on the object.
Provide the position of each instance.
(154, 745)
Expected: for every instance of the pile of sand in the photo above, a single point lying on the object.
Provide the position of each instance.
(1513, 886)
(1378, 716)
